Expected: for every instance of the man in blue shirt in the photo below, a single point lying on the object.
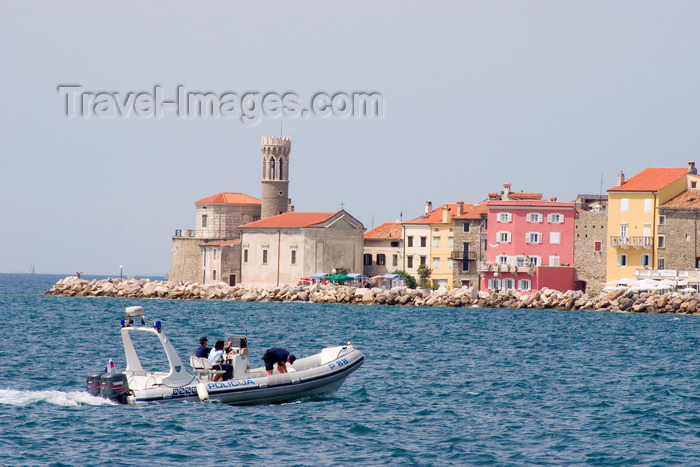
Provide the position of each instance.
(279, 356)
(203, 350)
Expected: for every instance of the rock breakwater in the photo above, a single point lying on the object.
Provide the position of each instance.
(616, 300)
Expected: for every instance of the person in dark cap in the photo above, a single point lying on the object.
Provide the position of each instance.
(279, 356)
(203, 350)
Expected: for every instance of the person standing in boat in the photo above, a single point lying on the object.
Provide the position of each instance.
(279, 356)
(216, 358)
(203, 350)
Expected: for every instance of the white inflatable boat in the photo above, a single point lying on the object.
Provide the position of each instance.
(317, 374)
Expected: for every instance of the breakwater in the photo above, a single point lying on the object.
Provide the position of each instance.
(616, 300)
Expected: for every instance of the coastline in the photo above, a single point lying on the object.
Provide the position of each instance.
(615, 301)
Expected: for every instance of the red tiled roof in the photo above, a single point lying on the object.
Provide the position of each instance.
(473, 211)
(386, 230)
(533, 203)
(652, 179)
(229, 242)
(521, 195)
(229, 198)
(290, 220)
(435, 216)
(686, 200)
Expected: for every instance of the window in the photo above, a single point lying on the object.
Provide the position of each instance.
(436, 229)
(624, 204)
(502, 260)
(204, 220)
(555, 218)
(424, 241)
(504, 217)
(494, 284)
(534, 217)
(410, 240)
(451, 242)
(205, 207)
(436, 242)
(534, 260)
(662, 220)
(423, 259)
(436, 263)
(245, 255)
(367, 259)
(693, 184)
(661, 263)
(555, 238)
(623, 230)
(622, 260)
(294, 257)
(646, 230)
(520, 261)
(465, 266)
(554, 261)
(533, 237)
(409, 262)
(394, 244)
(264, 259)
(598, 246)
(647, 204)
(381, 259)
(508, 283)
(466, 283)
(503, 237)
(645, 260)
(465, 226)
(661, 241)
(524, 284)
(450, 263)
(395, 260)
(213, 275)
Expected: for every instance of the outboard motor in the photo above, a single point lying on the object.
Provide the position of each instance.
(93, 384)
(114, 386)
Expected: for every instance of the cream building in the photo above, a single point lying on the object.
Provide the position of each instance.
(284, 248)
(383, 249)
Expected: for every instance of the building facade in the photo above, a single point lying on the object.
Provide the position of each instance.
(633, 219)
(590, 248)
(282, 249)
(530, 245)
(470, 227)
(383, 249)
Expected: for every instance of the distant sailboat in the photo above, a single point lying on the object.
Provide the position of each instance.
(31, 269)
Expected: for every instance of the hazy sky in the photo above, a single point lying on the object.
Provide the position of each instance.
(547, 95)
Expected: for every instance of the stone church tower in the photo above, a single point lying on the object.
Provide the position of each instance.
(275, 176)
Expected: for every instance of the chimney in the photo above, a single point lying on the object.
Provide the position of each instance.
(691, 168)
(460, 208)
(552, 198)
(428, 207)
(506, 192)
(445, 214)
(620, 178)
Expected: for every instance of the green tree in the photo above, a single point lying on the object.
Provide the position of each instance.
(424, 273)
(410, 280)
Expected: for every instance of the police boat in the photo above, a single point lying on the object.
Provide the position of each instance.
(317, 374)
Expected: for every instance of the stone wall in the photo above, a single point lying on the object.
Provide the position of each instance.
(186, 262)
(680, 231)
(473, 238)
(591, 227)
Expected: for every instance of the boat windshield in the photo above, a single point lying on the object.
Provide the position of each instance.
(150, 352)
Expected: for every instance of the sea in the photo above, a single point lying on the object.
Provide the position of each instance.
(439, 386)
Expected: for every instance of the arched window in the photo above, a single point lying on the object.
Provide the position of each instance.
(280, 173)
(272, 169)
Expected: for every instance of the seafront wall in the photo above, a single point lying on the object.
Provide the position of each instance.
(617, 300)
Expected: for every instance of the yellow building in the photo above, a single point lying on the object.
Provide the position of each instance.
(633, 218)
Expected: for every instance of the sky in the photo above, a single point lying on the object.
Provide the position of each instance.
(551, 96)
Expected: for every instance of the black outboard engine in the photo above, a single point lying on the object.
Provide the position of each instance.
(93, 384)
(114, 386)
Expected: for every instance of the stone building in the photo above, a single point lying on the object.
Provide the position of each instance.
(383, 249)
(282, 249)
(590, 247)
(678, 244)
(469, 242)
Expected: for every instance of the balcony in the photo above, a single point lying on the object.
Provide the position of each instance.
(458, 255)
(631, 242)
(485, 266)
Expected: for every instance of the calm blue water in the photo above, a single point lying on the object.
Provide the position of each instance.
(439, 386)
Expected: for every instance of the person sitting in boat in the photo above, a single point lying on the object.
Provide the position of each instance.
(203, 350)
(216, 358)
(279, 356)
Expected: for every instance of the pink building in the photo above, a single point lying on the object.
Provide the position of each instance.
(530, 244)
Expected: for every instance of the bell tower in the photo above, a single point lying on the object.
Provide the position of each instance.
(275, 175)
